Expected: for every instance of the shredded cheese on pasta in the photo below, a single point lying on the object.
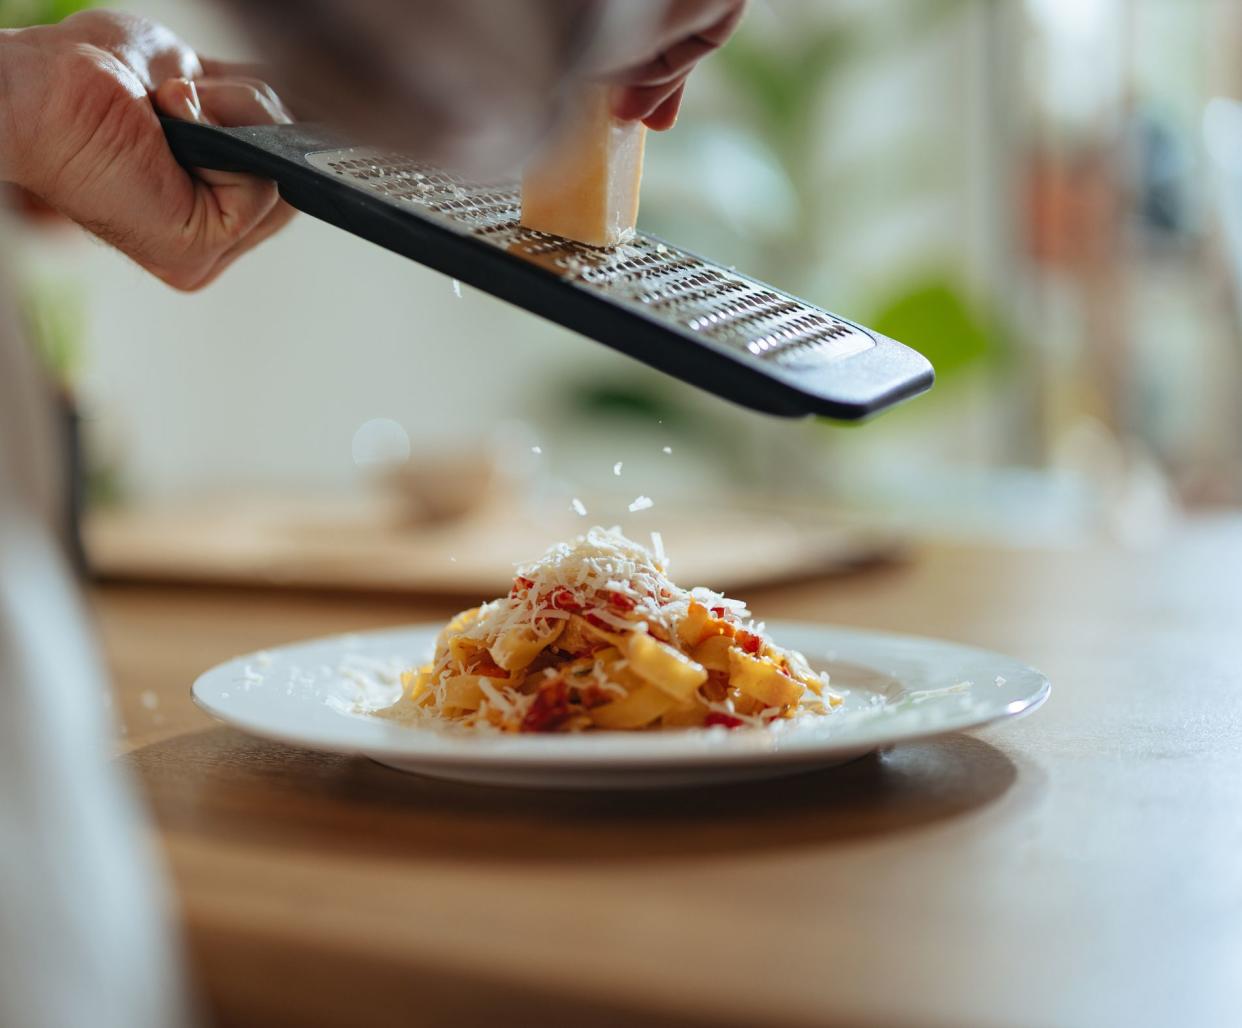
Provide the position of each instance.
(595, 635)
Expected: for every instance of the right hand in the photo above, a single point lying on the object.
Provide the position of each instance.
(79, 120)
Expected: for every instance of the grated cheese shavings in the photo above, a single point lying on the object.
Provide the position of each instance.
(590, 567)
(583, 606)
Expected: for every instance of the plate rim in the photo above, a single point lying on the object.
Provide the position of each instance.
(626, 751)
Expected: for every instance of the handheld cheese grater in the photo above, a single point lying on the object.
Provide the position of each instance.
(705, 324)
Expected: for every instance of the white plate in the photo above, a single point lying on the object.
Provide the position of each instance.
(316, 694)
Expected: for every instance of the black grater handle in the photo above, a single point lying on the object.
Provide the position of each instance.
(271, 151)
(196, 146)
(863, 384)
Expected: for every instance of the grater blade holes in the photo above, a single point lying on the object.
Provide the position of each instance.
(715, 304)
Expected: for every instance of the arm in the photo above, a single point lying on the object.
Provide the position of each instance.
(79, 128)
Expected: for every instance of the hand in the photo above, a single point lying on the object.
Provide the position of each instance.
(475, 83)
(78, 128)
(653, 89)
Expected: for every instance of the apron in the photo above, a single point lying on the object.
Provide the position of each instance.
(84, 938)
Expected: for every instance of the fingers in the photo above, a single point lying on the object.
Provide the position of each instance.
(240, 101)
(149, 50)
(664, 117)
(681, 20)
(246, 101)
(673, 64)
(276, 219)
(712, 19)
(230, 213)
(217, 69)
(168, 59)
(177, 98)
(252, 73)
(640, 103)
(652, 92)
(93, 85)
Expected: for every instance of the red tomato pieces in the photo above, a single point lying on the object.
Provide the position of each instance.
(564, 599)
(725, 720)
(549, 708)
(749, 642)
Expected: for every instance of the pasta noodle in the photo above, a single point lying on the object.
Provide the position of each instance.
(595, 636)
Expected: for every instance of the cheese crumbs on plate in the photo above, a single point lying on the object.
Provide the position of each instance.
(594, 635)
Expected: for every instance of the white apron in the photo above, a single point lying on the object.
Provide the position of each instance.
(83, 932)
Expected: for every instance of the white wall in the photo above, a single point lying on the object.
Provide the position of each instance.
(270, 371)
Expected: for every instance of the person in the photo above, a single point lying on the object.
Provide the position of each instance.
(82, 933)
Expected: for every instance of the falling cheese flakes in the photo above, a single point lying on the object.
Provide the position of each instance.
(641, 503)
(616, 469)
(579, 507)
(657, 547)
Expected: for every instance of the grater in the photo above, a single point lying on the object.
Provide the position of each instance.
(708, 325)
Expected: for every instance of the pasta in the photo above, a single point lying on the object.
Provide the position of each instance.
(594, 636)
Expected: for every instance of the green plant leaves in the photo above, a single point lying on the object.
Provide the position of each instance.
(17, 14)
(937, 318)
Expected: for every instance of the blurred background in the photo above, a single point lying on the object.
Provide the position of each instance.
(1043, 196)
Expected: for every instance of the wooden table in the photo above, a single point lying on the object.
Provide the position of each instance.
(1081, 867)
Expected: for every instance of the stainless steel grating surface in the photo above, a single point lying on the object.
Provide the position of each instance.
(715, 304)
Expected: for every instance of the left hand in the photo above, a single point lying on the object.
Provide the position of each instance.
(478, 83)
(652, 90)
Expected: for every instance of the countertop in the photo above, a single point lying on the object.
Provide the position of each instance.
(1080, 867)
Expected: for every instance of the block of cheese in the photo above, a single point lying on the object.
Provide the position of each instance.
(584, 184)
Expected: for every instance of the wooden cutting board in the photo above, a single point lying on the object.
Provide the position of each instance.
(369, 546)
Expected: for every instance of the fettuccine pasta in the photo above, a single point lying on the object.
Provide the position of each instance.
(595, 636)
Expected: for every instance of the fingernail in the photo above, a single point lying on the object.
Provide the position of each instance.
(193, 105)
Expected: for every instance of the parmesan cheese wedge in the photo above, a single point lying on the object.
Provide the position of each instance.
(584, 186)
